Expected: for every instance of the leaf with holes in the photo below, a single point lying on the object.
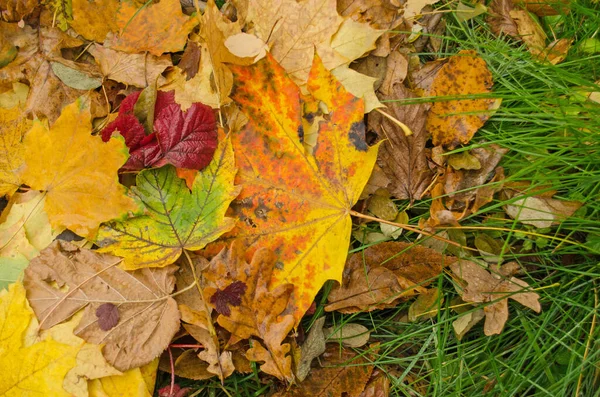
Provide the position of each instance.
(176, 219)
(65, 279)
(294, 203)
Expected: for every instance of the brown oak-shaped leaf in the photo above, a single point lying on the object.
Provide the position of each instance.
(108, 316)
(485, 287)
(342, 373)
(402, 157)
(262, 312)
(455, 121)
(381, 275)
(65, 279)
(219, 362)
(185, 139)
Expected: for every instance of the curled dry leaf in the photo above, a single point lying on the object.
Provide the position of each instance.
(77, 172)
(177, 218)
(452, 122)
(313, 347)
(343, 373)
(65, 279)
(263, 312)
(402, 157)
(293, 203)
(484, 287)
(383, 274)
(219, 362)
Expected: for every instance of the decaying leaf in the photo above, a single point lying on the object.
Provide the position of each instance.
(426, 305)
(381, 14)
(156, 28)
(499, 19)
(139, 70)
(538, 211)
(296, 204)
(263, 312)
(77, 172)
(177, 218)
(65, 279)
(484, 287)
(185, 139)
(349, 334)
(383, 274)
(13, 126)
(343, 373)
(455, 121)
(15, 10)
(402, 157)
(313, 347)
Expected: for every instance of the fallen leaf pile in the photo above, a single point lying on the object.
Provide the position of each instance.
(209, 163)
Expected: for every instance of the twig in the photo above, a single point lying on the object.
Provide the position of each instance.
(172, 363)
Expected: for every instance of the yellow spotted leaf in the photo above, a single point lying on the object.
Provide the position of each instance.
(13, 126)
(294, 203)
(77, 171)
(93, 19)
(155, 27)
(455, 121)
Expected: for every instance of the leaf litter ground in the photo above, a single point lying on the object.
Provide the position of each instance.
(224, 242)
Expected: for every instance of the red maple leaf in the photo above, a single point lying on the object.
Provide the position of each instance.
(230, 295)
(185, 139)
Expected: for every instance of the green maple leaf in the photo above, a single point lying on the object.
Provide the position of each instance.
(175, 219)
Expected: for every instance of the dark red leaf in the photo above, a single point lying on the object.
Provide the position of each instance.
(185, 139)
(230, 295)
(108, 316)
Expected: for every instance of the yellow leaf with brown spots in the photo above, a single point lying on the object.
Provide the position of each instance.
(77, 171)
(156, 28)
(294, 203)
(13, 125)
(455, 121)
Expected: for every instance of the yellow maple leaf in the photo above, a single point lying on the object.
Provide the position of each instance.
(29, 370)
(297, 204)
(77, 171)
(156, 28)
(13, 125)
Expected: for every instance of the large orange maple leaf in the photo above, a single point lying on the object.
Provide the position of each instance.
(292, 202)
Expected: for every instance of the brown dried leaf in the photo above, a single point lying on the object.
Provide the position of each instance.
(378, 385)
(483, 287)
(402, 157)
(452, 122)
(187, 364)
(539, 211)
(380, 14)
(529, 31)
(343, 373)
(219, 362)
(139, 70)
(262, 313)
(500, 20)
(349, 335)
(15, 10)
(65, 279)
(385, 275)
(397, 69)
(313, 347)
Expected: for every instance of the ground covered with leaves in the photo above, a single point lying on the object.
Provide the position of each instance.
(299, 198)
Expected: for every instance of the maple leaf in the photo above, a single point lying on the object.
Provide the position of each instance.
(402, 157)
(383, 274)
(77, 172)
(449, 122)
(230, 295)
(294, 203)
(38, 368)
(185, 139)
(261, 312)
(156, 28)
(177, 218)
(142, 297)
(13, 125)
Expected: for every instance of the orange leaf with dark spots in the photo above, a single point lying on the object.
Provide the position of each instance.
(294, 203)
